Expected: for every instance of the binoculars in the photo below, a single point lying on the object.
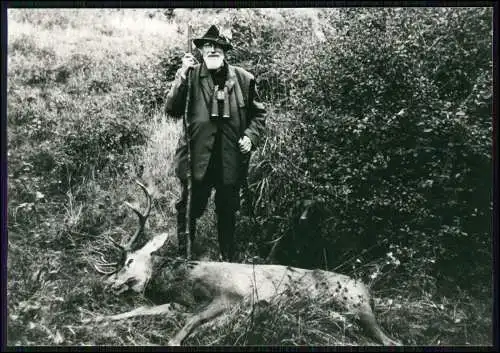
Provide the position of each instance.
(220, 96)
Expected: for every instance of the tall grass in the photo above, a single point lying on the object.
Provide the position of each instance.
(63, 63)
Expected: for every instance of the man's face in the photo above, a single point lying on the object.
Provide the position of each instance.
(213, 55)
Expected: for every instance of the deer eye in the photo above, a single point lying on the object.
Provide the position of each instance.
(129, 262)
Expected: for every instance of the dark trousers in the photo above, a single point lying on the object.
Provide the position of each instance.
(227, 202)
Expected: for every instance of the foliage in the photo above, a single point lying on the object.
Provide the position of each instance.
(381, 117)
(151, 88)
(394, 142)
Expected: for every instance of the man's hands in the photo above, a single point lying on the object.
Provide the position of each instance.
(188, 61)
(245, 144)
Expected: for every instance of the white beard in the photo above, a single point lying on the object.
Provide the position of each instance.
(214, 62)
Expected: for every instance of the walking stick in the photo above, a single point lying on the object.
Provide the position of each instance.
(188, 144)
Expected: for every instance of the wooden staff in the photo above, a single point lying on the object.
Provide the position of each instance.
(188, 143)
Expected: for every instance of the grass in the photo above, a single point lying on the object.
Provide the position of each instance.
(54, 57)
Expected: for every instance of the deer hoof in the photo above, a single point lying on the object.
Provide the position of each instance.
(174, 343)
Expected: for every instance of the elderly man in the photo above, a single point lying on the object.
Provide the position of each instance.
(225, 124)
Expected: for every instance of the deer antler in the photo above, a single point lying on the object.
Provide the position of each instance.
(107, 268)
(98, 266)
(142, 217)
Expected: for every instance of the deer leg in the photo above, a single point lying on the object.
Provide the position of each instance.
(140, 311)
(211, 311)
(371, 326)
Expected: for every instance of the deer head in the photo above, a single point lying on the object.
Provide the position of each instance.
(135, 267)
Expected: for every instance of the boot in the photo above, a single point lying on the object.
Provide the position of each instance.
(225, 228)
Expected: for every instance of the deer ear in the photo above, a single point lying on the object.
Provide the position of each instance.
(158, 255)
(160, 248)
(155, 252)
(159, 252)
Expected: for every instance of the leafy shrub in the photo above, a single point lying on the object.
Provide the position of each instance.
(393, 139)
(151, 88)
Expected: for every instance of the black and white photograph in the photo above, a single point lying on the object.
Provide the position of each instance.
(275, 176)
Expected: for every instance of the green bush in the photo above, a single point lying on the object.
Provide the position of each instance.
(393, 138)
(151, 88)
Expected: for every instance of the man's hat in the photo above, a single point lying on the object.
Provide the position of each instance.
(213, 35)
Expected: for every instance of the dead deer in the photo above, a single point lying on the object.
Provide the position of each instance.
(212, 288)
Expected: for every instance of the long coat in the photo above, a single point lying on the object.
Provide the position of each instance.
(247, 117)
